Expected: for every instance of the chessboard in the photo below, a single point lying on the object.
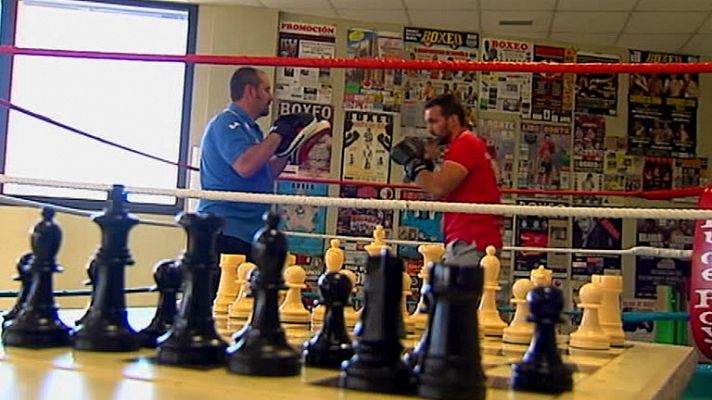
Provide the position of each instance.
(639, 370)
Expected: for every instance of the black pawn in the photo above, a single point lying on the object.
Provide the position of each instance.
(449, 364)
(37, 325)
(24, 276)
(262, 348)
(331, 345)
(192, 339)
(105, 326)
(168, 280)
(541, 368)
(377, 365)
(91, 281)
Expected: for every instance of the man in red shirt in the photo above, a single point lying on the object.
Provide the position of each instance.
(466, 175)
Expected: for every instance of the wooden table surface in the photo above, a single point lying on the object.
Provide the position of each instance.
(642, 371)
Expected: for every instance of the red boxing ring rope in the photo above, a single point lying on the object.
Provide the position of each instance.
(370, 63)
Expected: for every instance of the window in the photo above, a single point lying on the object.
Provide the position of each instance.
(141, 105)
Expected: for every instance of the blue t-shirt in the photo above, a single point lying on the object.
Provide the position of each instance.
(226, 137)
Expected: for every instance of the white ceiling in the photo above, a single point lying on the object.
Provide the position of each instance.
(663, 25)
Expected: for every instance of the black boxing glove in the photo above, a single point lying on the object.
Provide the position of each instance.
(295, 129)
(417, 165)
(406, 150)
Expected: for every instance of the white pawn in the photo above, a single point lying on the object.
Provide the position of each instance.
(289, 261)
(432, 253)
(241, 309)
(520, 330)
(490, 321)
(610, 311)
(589, 334)
(292, 309)
(334, 260)
(350, 314)
(407, 323)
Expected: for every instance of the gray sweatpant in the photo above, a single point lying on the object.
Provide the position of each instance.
(462, 253)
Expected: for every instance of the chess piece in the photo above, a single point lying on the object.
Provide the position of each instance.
(36, 324)
(350, 315)
(589, 334)
(227, 289)
(520, 329)
(378, 243)
(541, 369)
(376, 364)
(489, 318)
(241, 309)
(24, 276)
(106, 326)
(192, 338)
(334, 260)
(432, 253)
(610, 312)
(290, 261)
(450, 365)
(292, 309)
(168, 279)
(262, 348)
(541, 276)
(407, 323)
(90, 281)
(331, 345)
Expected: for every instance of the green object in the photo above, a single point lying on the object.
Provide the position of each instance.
(665, 330)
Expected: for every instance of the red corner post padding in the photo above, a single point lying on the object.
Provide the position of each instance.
(701, 280)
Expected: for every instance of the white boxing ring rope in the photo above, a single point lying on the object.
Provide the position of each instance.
(433, 206)
(603, 212)
(632, 251)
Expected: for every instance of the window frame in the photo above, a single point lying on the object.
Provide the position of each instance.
(8, 17)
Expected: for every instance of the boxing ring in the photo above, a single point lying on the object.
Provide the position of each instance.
(633, 372)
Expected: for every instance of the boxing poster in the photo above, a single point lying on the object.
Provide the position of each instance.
(689, 172)
(589, 136)
(651, 272)
(544, 156)
(662, 111)
(622, 171)
(421, 85)
(422, 226)
(596, 93)
(374, 89)
(506, 91)
(313, 158)
(657, 173)
(303, 218)
(367, 143)
(499, 135)
(596, 233)
(362, 222)
(303, 40)
(588, 182)
(539, 231)
(553, 93)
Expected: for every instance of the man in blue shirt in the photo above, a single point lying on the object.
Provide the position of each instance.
(237, 156)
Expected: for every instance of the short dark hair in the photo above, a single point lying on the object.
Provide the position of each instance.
(449, 105)
(241, 78)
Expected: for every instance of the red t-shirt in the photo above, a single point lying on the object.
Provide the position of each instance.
(479, 186)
